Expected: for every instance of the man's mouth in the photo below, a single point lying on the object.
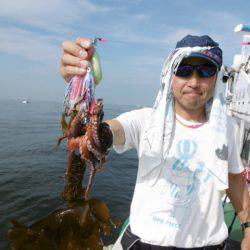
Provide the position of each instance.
(192, 93)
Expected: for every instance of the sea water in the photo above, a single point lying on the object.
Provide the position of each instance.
(31, 169)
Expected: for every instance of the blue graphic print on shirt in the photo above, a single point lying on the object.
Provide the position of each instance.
(182, 183)
(183, 178)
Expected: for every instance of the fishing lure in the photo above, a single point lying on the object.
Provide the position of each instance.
(79, 95)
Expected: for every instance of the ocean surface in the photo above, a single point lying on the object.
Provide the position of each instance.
(31, 169)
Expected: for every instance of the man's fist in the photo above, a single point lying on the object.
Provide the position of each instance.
(76, 57)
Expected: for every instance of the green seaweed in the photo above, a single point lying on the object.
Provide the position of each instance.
(76, 227)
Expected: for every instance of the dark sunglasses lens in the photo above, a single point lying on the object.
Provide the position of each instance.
(184, 71)
(206, 71)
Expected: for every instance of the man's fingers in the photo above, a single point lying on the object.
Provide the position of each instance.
(66, 77)
(74, 49)
(71, 70)
(67, 72)
(84, 42)
(75, 59)
(70, 60)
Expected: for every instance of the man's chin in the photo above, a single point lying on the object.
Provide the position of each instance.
(192, 105)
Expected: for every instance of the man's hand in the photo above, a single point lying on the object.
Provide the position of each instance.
(245, 244)
(76, 57)
(239, 196)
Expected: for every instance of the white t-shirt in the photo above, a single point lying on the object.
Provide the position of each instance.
(183, 208)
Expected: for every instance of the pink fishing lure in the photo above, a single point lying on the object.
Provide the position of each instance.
(80, 92)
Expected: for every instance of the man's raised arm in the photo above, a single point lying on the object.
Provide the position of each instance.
(75, 61)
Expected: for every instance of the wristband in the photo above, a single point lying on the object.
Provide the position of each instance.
(245, 225)
(106, 137)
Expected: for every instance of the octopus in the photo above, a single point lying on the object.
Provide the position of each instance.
(82, 222)
(87, 143)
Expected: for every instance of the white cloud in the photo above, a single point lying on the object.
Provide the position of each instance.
(34, 47)
(221, 20)
(167, 37)
(54, 15)
(59, 16)
(175, 35)
(141, 17)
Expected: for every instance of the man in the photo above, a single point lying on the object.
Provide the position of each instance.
(187, 149)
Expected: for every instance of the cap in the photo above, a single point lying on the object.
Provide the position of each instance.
(213, 55)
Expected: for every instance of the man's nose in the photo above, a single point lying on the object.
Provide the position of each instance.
(194, 80)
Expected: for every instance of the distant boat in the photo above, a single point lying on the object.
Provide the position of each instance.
(25, 102)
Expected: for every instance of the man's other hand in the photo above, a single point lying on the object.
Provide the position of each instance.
(245, 244)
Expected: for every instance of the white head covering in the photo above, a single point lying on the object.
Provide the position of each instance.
(157, 136)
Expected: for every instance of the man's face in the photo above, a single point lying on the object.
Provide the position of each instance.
(194, 91)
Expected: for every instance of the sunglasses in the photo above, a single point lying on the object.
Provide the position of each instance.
(202, 70)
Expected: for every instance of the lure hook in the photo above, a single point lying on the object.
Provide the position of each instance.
(98, 39)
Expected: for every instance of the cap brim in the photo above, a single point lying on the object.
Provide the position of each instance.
(199, 55)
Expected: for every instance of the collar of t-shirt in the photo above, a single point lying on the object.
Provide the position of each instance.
(186, 122)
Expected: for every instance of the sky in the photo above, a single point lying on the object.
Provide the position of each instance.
(140, 35)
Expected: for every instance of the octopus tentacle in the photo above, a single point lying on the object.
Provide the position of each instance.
(95, 120)
(92, 149)
(73, 143)
(91, 176)
(95, 132)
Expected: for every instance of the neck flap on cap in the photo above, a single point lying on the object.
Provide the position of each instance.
(159, 131)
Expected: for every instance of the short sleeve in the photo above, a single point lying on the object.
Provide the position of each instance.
(133, 123)
(235, 165)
